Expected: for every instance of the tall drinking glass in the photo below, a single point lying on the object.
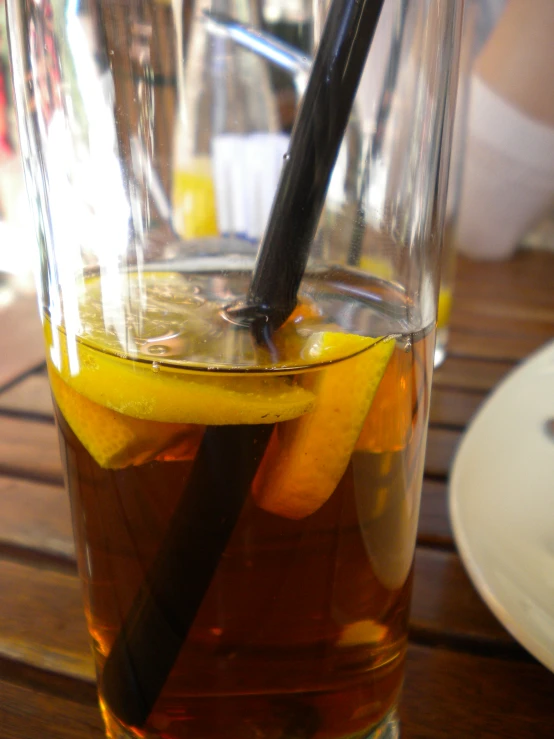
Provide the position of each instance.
(245, 504)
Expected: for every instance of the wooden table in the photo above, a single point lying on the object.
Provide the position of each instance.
(466, 677)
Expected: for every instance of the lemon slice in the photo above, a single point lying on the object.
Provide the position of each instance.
(157, 393)
(114, 440)
(306, 457)
(128, 410)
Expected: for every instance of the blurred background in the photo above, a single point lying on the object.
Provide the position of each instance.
(16, 236)
(464, 671)
(502, 176)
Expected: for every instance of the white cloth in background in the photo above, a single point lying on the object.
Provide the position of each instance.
(246, 169)
(508, 179)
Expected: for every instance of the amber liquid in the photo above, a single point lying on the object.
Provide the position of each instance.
(302, 630)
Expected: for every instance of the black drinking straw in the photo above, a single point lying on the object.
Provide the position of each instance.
(162, 613)
(314, 146)
(165, 608)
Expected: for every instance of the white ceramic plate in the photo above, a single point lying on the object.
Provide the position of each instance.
(502, 504)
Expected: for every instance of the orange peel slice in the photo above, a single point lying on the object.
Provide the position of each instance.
(388, 426)
(307, 456)
(115, 441)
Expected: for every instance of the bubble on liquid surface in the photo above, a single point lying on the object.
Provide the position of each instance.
(158, 349)
(189, 300)
(180, 318)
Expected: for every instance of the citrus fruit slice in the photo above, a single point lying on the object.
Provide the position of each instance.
(154, 392)
(306, 457)
(114, 440)
(388, 425)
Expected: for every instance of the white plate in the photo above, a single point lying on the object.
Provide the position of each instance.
(502, 504)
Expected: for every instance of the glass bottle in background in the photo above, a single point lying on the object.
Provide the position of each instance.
(228, 142)
(292, 23)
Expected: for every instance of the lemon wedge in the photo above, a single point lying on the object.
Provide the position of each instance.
(307, 456)
(114, 440)
(166, 395)
(128, 410)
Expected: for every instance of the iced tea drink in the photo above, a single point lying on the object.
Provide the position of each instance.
(301, 630)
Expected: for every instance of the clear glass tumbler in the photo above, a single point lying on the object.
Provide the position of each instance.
(245, 506)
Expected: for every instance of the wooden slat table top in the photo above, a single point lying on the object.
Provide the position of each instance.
(466, 676)
(20, 339)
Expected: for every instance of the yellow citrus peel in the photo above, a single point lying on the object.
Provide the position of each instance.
(115, 440)
(175, 396)
(129, 412)
(307, 456)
